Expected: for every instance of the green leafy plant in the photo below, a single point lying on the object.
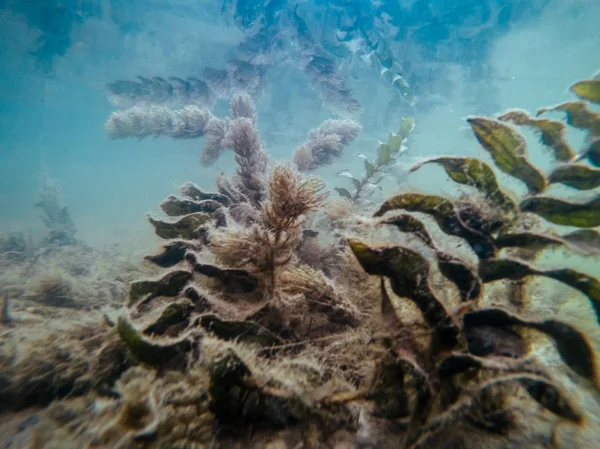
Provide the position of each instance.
(375, 172)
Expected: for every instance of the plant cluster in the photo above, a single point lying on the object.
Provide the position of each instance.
(266, 331)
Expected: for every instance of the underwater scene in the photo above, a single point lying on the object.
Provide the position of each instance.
(299, 224)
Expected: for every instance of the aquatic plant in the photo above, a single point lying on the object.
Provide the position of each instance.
(375, 172)
(265, 330)
(274, 33)
(246, 283)
(13, 246)
(238, 76)
(56, 217)
(477, 358)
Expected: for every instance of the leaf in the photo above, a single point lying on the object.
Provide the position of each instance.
(174, 206)
(508, 149)
(445, 215)
(408, 223)
(459, 362)
(199, 299)
(368, 189)
(380, 176)
(474, 173)
(192, 191)
(383, 154)
(408, 272)
(464, 277)
(548, 395)
(347, 174)
(527, 240)
(388, 312)
(343, 192)
(551, 397)
(585, 241)
(173, 253)
(587, 90)
(169, 285)
(540, 389)
(494, 270)
(592, 153)
(245, 331)
(580, 177)
(148, 352)
(231, 280)
(585, 244)
(402, 87)
(174, 314)
(187, 227)
(454, 269)
(579, 115)
(406, 127)
(394, 142)
(370, 169)
(553, 133)
(574, 348)
(565, 213)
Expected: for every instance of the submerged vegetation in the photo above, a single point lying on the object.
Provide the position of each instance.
(283, 319)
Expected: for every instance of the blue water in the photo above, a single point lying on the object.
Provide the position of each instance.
(458, 57)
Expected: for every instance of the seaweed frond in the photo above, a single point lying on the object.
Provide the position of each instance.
(187, 123)
(291, 196)
(325, 144)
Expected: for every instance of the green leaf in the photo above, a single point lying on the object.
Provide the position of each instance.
(580, 177)
(553, 133)
(475, 173)
(587, 90)
(406, 127)
(150, 352)
(383, 156)
(564, 213)
(508, 149)
(395, 142)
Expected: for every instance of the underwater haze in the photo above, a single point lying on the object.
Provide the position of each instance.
(467, 58)
(299, 224)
